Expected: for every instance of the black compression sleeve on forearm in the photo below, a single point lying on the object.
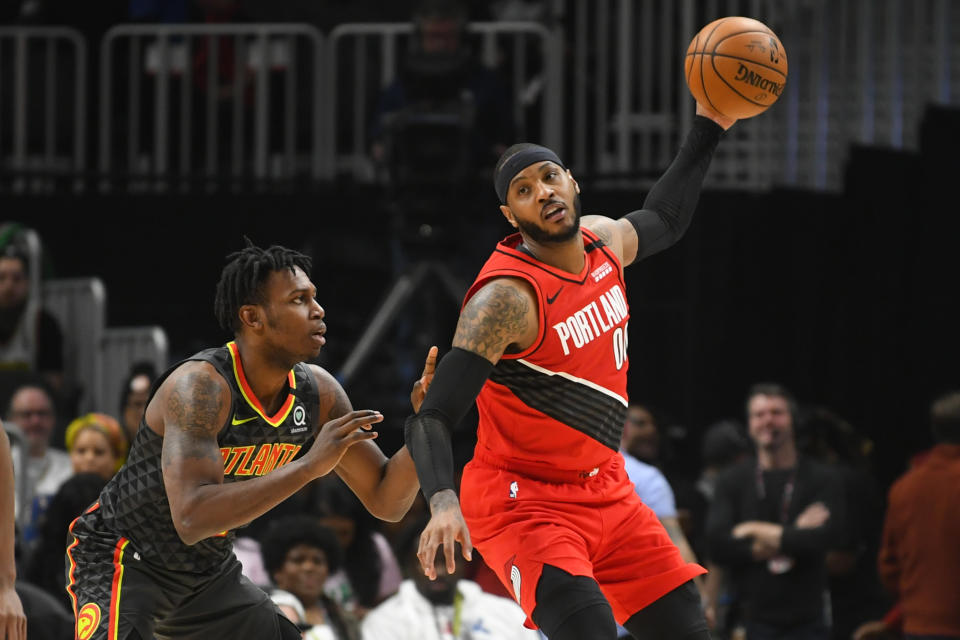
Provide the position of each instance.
(456, 383)
(669, 206)
(428, 440)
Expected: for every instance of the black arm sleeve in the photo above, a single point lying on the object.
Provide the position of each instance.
(669, 206)
(459, 378)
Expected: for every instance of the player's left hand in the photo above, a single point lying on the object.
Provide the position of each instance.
(13, 622)
(423, 383)
(446, 528)
(707, 112)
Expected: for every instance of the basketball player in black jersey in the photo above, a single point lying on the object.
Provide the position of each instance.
(153, 556)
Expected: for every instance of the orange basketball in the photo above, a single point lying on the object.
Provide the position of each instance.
(736, 66)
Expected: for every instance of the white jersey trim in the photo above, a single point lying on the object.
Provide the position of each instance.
(572, 378)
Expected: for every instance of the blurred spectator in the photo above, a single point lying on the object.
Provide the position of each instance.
(723, 445)
(771, 523)
(44, 564)
(249, 552)
(856, 595)
(370, 572)
(446, 115)
(919, 559)
(653, 487)
(299, 554)
(96, 448)
(31, 341)
(655, 492)
(649, 438)
(32, 410)
(890, 626)
(96, 444)
(449, 607)
(641, 435)
(134, 395)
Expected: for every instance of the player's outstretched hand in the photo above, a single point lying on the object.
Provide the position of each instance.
(336, 436)
(446, 528)
(13, 623)
(423, 383)
(707, 112)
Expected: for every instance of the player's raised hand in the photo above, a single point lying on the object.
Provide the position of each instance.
(423, 382)
(336, 436)
(446, 528)
(707, 112)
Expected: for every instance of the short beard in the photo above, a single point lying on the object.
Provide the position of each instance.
(540, 236)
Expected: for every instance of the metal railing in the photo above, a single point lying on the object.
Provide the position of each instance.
(211, 102)
(43, 104)
(377, 51)
(180, 104)
(124, 347)
(861, 72)
(80, 307)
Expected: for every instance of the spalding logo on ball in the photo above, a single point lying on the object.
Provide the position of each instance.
(737, 66)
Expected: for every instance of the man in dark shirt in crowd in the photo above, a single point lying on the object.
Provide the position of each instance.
(771, 523)
(31, 341)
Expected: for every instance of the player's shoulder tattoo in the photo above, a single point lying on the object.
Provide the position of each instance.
(601, 227)
(195, 402)
(496, 316)
(334, 401)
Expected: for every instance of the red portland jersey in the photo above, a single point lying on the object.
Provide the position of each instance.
(560, 404)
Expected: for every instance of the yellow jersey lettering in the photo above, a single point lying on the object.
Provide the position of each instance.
(274, 458)
(288, 453)
(294, 449)
(242, 469)
(233, 457)
(262, 453)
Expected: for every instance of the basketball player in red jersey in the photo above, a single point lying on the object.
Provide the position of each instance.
(541, 345)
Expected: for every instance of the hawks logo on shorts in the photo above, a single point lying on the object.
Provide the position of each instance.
(88, 619)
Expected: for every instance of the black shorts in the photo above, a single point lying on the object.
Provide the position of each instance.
(114, 591)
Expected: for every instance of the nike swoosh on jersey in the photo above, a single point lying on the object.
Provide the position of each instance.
(550, 299)
(234, 421)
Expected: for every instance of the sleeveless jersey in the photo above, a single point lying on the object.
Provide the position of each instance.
(134, 503)
(561, 403)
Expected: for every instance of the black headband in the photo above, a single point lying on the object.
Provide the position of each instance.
(517, 163)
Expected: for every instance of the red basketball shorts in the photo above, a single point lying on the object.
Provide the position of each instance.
(594, 527)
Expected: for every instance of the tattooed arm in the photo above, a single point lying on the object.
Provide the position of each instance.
(193, 407)
(501, 316)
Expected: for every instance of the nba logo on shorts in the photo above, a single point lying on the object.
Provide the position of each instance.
(515, 581)
(87, 620)
(514, 488)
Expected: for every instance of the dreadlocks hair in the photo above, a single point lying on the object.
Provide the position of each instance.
(241, 281)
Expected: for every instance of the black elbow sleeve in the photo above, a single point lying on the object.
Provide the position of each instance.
(459, 378)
